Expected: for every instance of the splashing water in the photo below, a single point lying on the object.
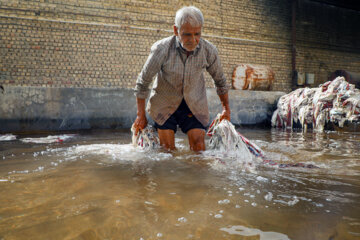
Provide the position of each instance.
(7, 137)
(108, 188)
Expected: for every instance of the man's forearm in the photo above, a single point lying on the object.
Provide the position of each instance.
(226, 107)
(225, 101)
(140, 107)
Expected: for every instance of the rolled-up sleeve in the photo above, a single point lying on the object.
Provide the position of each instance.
(151, 67)
(216, 72)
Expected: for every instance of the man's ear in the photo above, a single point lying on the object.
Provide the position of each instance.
(176, 31)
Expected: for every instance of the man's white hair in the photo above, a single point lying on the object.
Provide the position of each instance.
(191, 15)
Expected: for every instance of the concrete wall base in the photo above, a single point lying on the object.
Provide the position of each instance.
(25, 109)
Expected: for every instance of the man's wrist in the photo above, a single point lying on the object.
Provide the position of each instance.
(141, 114)
(226, 108)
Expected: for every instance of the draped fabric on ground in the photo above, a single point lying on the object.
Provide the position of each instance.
(334, 102)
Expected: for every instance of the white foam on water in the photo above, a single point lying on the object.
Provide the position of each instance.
(19, 172)
(244, 231)
(294, 200)
(319, 204)
(230, 160)
(117, 152)
(182, 219)
(262, 179)
(181, 145)
(49, 139)
(225, 201)
(355, 234)
(279, 146)
(268, 196)
(7, 137)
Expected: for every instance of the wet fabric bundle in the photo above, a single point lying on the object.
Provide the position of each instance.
(146, 138)
(224, 137)
(335, 102)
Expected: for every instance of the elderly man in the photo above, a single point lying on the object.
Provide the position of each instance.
(178, 96)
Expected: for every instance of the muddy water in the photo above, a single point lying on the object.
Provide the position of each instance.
(95, 185)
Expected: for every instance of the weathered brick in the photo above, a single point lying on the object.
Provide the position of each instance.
(105, 43)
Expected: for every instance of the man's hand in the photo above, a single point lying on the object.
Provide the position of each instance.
(226, 108)
(139, 124)
(140, 121)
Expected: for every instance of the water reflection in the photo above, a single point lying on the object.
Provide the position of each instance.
(244, 231)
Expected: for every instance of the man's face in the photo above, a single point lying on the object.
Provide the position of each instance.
(189, 36)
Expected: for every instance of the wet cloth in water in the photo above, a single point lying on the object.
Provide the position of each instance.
(146, 138)
(224, 137)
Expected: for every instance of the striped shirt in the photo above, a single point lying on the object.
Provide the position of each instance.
(178, 77)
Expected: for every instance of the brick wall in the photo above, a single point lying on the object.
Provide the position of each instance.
(83, 43)
(328, 39)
